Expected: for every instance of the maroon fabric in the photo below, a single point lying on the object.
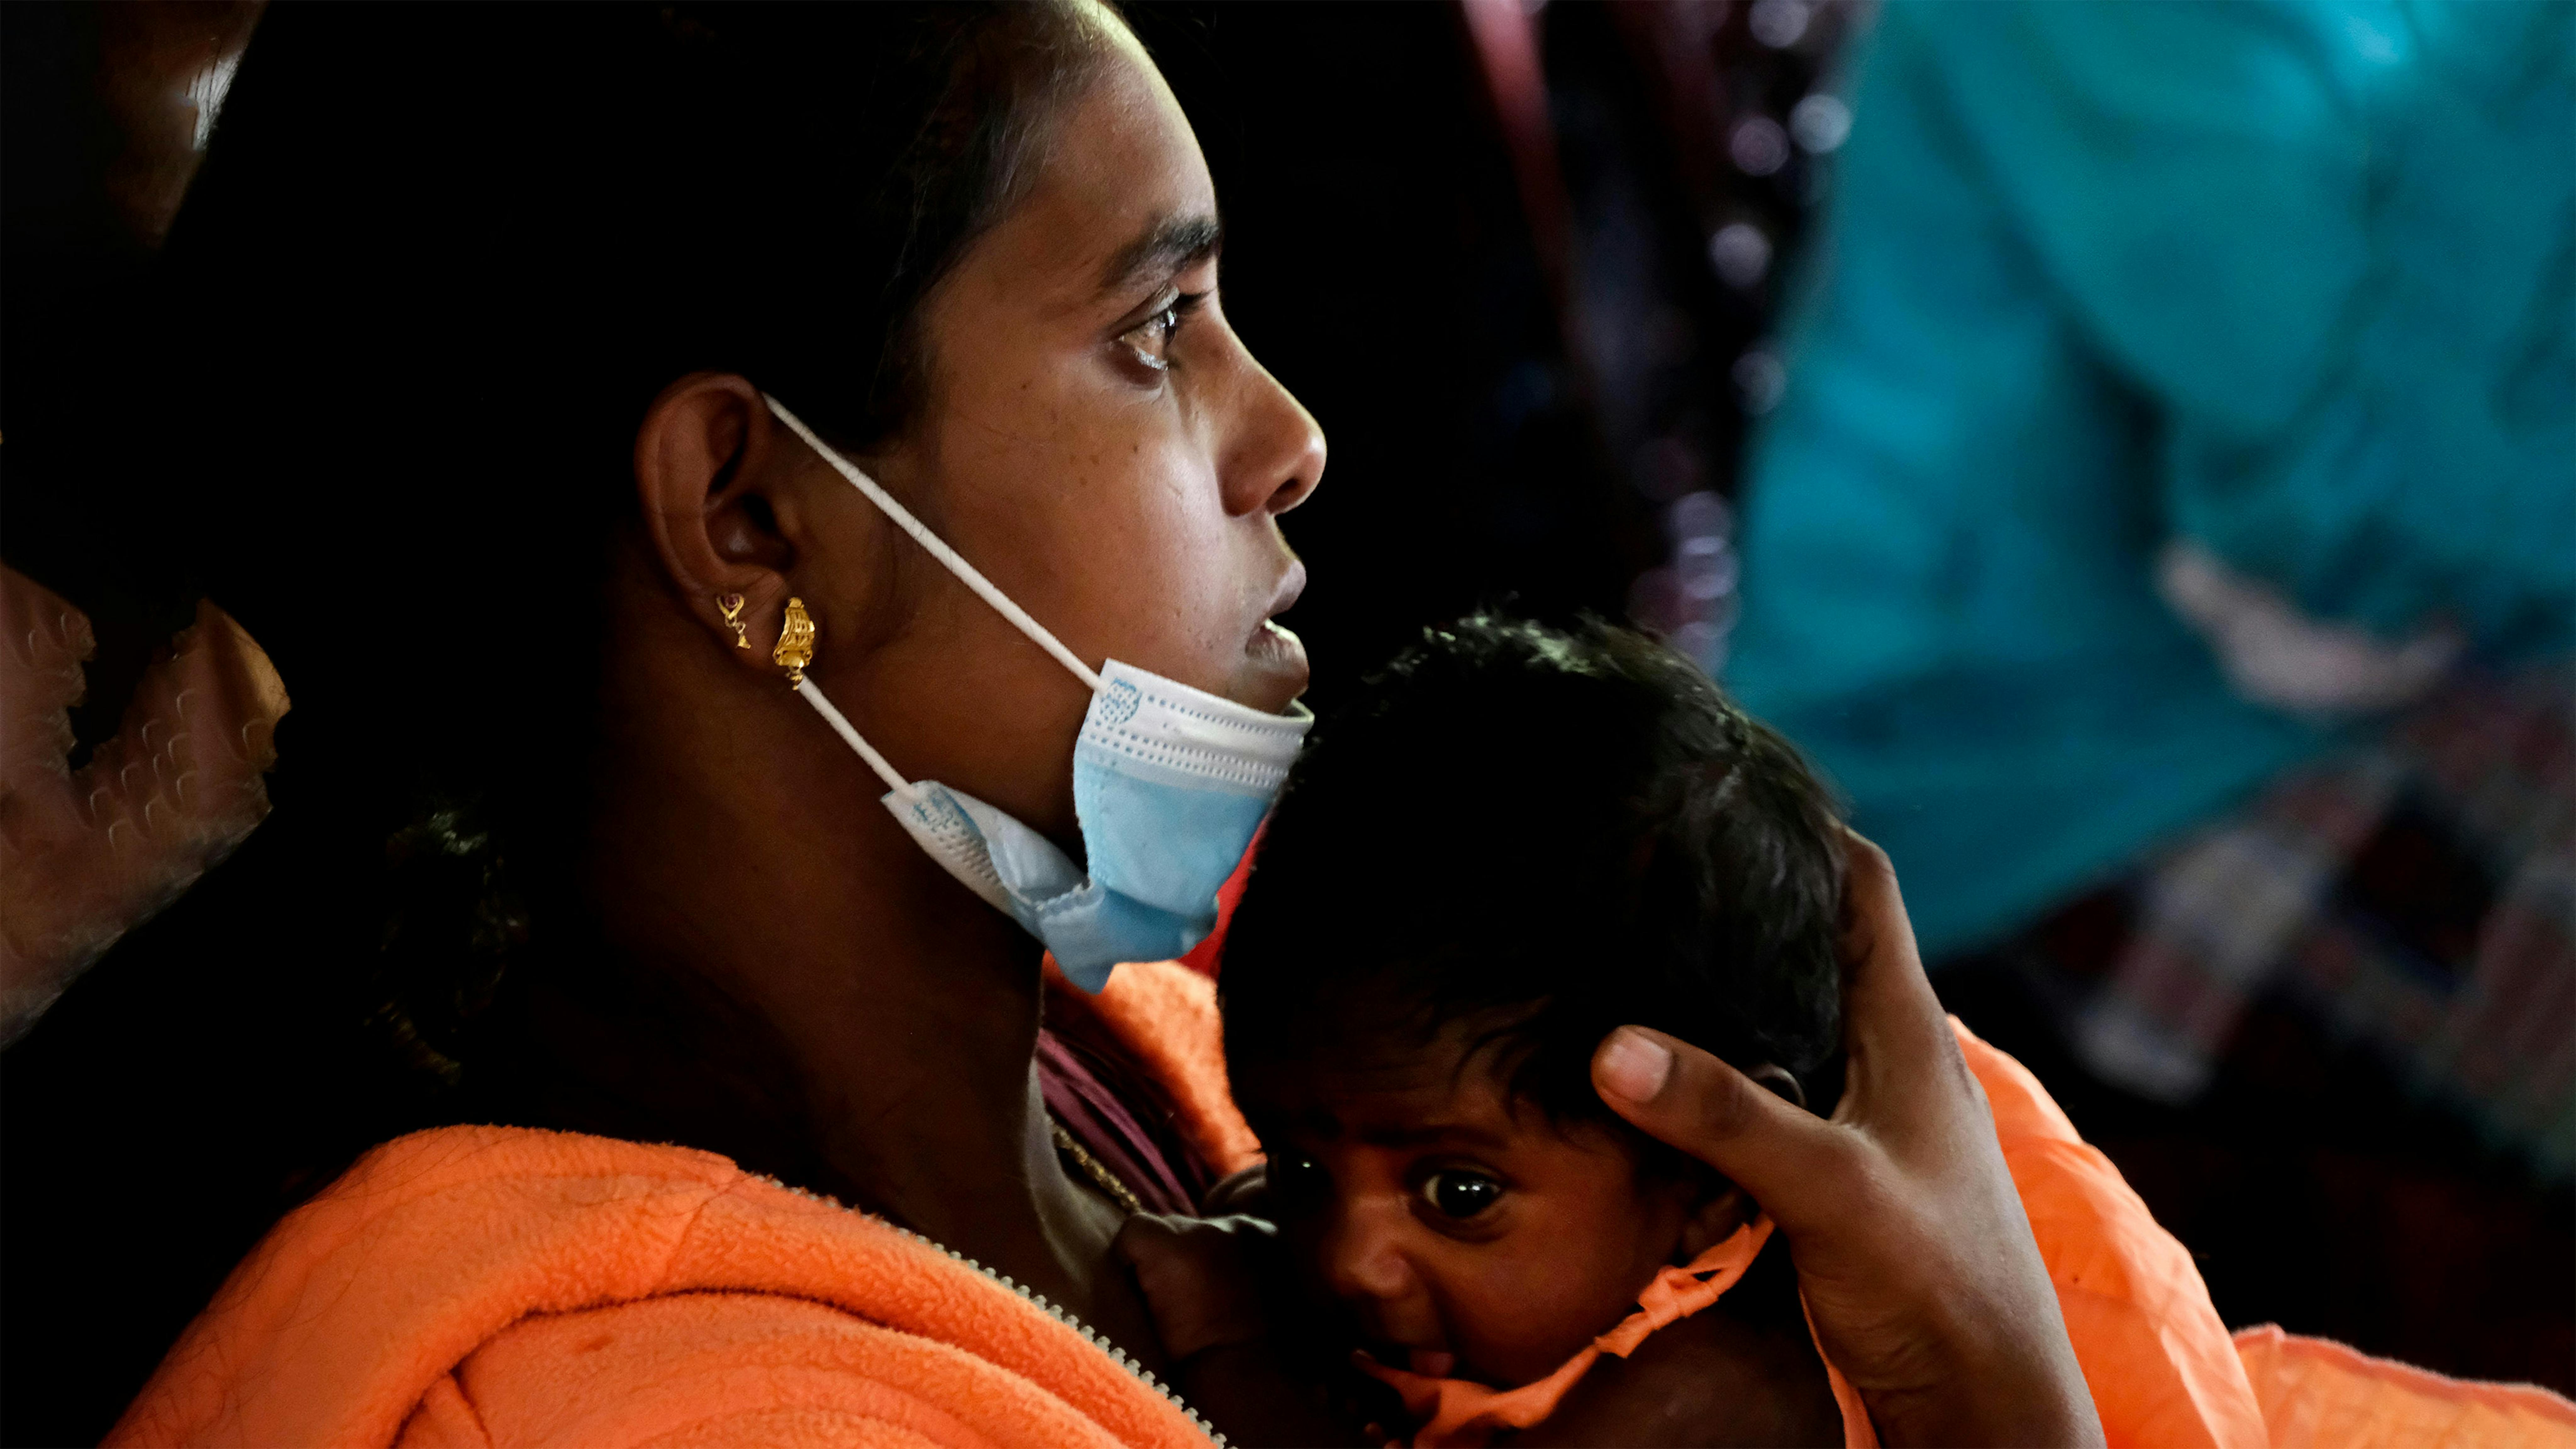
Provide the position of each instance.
(1115, 1113)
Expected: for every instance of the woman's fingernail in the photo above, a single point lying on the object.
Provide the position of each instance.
(1634, 1065)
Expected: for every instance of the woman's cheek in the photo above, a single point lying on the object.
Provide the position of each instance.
(1197, 581)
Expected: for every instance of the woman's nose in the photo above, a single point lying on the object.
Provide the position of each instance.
(1276, 457)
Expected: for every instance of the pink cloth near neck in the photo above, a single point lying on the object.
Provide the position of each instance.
(1459, 1412)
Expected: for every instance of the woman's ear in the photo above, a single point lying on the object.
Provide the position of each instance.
(1724, 1207)
(710, 463)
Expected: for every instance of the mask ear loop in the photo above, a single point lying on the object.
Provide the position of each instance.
(849, 733)
(939, 550)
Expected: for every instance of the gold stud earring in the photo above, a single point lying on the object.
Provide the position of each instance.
(731, 604)
(795, 642)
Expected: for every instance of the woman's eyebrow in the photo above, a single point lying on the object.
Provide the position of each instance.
(1173, 244)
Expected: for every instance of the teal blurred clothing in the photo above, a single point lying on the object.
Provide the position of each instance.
(2295, 282)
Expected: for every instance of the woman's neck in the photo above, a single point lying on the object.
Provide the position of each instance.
(739, 845)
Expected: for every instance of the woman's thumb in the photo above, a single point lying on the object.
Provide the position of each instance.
(1681, 1095)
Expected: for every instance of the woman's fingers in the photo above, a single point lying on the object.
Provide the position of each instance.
(1894, 1030)
(48, 641)
(85, 857)
(1914, 1256)
(1785, 1156)
(1897, 1039)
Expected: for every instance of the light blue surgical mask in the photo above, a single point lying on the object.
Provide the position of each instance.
(1169, 785)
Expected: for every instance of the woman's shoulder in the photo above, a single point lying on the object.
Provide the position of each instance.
(508, 1283)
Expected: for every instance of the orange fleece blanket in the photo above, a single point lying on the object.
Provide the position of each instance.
(489, 1286)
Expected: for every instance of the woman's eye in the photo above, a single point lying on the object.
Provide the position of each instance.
(1151, 339)
(1462, 1195)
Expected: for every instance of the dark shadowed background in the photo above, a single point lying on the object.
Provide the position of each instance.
(1522, 262)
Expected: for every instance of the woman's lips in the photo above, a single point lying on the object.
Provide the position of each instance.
(1278, 660)
(1275, 643)
(1276, 655)
(1291, 585)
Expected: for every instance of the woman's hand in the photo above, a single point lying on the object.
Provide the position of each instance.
(1918, 1266)
(87, 855)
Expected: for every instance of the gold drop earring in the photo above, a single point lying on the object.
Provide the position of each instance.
(731, 604)
(795, 642)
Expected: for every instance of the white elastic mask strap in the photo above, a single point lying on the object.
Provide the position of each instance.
(850, 733)
(939, 550)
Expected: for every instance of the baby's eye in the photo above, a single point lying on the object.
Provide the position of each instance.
(1455, 1193)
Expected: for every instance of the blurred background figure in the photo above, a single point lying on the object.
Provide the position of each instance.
(2167, 536)
(2158, 522)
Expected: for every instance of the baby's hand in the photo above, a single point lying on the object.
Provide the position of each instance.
(1198, 1278)
(1202, 1281)
(1244, 1191)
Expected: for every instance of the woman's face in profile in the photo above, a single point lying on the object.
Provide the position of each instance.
(1094, 436)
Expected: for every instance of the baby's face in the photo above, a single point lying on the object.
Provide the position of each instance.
(1467, 1236)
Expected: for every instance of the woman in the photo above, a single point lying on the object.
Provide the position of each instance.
(504, 475)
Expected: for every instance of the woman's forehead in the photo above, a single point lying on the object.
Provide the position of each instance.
(1121, 198)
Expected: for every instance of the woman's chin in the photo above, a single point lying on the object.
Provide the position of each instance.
(1274, 669)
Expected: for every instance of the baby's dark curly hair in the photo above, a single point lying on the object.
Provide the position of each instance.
(1543, 834)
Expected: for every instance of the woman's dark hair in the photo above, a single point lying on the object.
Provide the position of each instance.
(436, 267)
(1540, 835)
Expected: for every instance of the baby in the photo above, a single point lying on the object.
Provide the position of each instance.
(1513, 841)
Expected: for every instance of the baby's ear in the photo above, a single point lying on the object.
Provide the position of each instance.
(1724, 1207)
